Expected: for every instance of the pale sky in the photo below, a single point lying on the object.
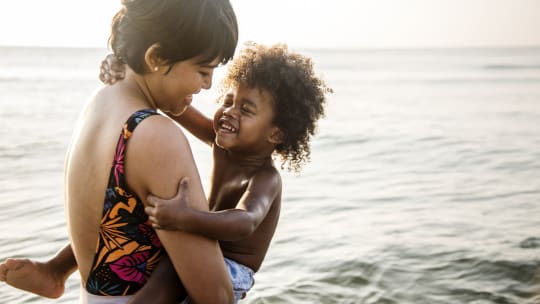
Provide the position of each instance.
(301, 23)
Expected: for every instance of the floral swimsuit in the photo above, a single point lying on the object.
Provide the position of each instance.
(128, 248)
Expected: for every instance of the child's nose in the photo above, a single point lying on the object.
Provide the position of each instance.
(230, 111)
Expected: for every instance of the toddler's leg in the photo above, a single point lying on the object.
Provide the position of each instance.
(163, 286)
(46, 279)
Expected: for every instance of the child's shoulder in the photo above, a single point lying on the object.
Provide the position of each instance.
(269, 168)
(267, 175)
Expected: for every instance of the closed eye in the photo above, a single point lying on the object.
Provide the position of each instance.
(247, 109)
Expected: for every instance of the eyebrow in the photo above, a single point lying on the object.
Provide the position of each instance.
(210, 66)
(250, 102)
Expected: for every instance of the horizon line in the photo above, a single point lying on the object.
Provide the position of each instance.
(312, 48)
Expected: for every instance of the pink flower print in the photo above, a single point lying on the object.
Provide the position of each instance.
(118, 162)
(131, 268)
(147, 230)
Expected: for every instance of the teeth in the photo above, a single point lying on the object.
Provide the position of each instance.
(228, 127)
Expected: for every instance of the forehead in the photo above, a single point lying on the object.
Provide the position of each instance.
(253, 94)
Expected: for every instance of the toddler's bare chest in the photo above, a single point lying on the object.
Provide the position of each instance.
(227, 195)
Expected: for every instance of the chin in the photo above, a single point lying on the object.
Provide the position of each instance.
(221, 144)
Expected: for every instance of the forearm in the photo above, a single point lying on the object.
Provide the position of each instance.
(225, 225)
(197, 124)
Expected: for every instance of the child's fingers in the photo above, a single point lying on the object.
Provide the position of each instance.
(110, 59)
(182, 188)
(184, 183)
(154, 221)
(102, 74)
(117, 74)
(151, 211)
(152, 200)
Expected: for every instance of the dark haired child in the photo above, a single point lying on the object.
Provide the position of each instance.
(272, 101)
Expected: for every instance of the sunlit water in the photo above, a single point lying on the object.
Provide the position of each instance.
(424, 185)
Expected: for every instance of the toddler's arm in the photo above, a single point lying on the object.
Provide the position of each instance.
(227, 225)
(197, 124)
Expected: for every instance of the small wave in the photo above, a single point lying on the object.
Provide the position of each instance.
(453, 80)
(25, 79)
(511, 67)
(493, 197)
(12, 79)
(325, 141)
(530, 243)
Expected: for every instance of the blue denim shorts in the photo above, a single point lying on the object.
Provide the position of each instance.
(241, 278)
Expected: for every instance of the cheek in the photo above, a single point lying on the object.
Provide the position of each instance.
(191, 80)
(174, 89)
(181, 83)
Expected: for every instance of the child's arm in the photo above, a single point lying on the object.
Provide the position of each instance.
(226, 225)
(197, 124)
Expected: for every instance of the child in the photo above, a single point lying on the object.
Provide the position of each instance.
(271, 106)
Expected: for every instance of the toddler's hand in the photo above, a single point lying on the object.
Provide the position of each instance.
(111, 70)
(169, 214)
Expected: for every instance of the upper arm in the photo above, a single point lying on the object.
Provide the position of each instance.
(197, 124)
(261, 192)
(158, 156)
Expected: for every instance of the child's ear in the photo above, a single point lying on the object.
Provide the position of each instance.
(151, 58)
(276, 137)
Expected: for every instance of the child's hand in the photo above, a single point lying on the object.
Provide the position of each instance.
(170, 214)
(111, 70)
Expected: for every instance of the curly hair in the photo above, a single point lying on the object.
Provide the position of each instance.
(298, 94)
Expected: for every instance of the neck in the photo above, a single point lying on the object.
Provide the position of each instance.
(249, 161)
(138, 84)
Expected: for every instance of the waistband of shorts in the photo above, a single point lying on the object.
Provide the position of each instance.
(242, 266)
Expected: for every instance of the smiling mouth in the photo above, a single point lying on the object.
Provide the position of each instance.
(226, 126)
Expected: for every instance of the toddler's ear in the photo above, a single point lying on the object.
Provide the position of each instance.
(276, 137)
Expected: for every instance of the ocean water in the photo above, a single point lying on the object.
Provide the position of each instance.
(424, 184)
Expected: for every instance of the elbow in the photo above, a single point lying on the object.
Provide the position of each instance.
(246, 229)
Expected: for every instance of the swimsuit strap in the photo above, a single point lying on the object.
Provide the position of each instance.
(117, 177)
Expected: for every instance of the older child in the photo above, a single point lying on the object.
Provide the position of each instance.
(271, 104)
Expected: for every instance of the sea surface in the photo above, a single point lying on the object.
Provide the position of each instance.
(423, 186)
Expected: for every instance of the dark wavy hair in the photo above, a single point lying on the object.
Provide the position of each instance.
(298, 94)
(184, 29)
